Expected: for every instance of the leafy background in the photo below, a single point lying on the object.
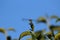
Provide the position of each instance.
(13, 11)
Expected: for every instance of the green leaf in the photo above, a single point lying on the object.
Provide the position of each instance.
(41, 19)
(26, 33)
(29, 39)
(55, 27)
(11, 29)
(54, 16)
(58, 20)
(57, 36)
(2, 30)
(39, 34)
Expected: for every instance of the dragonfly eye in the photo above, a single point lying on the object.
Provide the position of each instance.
(30, 19)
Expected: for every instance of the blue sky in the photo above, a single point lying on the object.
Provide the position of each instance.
(13, 11)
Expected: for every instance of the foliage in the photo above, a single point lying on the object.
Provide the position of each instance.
(41, 34)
